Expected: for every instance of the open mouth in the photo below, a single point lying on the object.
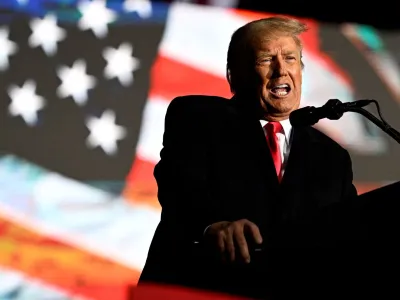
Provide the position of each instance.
(280, 90)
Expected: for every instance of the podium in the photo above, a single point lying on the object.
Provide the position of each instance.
(379, 212)
(357, 251)
(369, 255)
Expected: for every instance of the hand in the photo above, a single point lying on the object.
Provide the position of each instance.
(230, 238)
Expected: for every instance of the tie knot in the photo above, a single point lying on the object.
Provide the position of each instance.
(273, 127)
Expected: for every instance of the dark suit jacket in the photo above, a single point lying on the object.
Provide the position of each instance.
(216, 166)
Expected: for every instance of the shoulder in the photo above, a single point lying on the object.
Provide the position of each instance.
(326, 141)
(194, 116)
(197, 105)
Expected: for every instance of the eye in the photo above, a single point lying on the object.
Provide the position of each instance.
(264, 60)
(290, 57)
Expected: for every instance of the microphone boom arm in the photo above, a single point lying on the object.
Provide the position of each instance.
(393, 133)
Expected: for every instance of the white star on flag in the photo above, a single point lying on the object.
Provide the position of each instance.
(25, 102)
(141, 7)
(46, 33)
(120, 63)
(7, 48)
(96, 16)
(104, 132)
(75, 82)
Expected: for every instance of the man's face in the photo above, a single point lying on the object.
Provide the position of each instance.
(276, 76)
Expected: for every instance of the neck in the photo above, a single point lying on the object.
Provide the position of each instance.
(275, 118)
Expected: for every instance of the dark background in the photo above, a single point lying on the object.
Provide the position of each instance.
(380, 14)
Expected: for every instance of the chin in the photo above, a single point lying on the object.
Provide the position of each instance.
(281, 105)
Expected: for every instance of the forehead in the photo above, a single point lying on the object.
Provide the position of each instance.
(273, 44)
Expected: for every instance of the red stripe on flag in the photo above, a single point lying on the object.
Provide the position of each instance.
(165, 292)
(171, 79)
(365, 187)
(59, 264)
(141, 187)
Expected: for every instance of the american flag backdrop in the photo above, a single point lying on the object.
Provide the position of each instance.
(84, 87)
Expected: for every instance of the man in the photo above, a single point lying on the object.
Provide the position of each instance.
(237, 184)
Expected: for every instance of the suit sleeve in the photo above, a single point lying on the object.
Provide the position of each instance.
(182, 173)
(337, 224)
(349, 190)
(352, 231)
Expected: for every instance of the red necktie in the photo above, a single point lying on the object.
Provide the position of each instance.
(272, 129)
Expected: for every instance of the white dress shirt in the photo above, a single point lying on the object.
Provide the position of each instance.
(284, 140)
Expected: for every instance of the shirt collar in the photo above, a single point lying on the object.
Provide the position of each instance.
(287, 128)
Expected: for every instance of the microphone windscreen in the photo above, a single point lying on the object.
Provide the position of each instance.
(303, 117)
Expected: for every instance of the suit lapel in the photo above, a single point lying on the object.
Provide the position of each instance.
(251, 142)
(299, 167)
(299, 162)
(261, 154)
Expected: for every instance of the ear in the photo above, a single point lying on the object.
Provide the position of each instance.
(301, 60)
(228, 75)
(229, 78)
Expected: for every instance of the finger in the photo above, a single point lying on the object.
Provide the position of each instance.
(221, 246)
(229, 245)
(242, 245)
(254, 231)
(221, 242)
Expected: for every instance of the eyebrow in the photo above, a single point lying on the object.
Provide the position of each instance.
(268, 53)
(289, 52)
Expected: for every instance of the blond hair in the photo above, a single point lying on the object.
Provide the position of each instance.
(273, 28)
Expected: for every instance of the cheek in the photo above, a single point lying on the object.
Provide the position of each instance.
(262, 74)
(297, 79)
(264, 84)
(300, 77)
(298, 83)
(298, 73)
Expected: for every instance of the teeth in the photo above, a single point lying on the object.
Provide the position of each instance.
(281, 93)
(282, 86)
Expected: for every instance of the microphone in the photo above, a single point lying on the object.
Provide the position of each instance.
(332, 110)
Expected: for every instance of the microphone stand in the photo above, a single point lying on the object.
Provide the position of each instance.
(393, 133)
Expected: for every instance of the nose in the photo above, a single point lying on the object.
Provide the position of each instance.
(280, 68)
